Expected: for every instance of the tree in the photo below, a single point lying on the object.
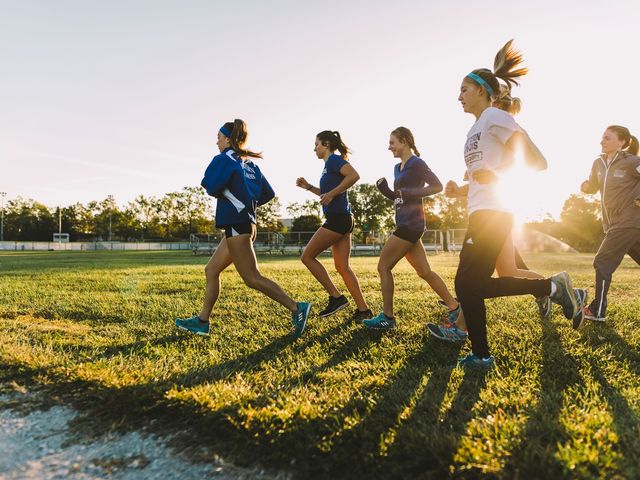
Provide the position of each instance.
(268, 216)
(308, 207)
(452, 211)
(370, 208)
(581, 223)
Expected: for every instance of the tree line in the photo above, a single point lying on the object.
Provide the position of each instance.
(174, 216)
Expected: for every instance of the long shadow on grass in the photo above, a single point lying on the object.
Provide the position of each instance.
(355, 442)
(625, 420)
(534, 457)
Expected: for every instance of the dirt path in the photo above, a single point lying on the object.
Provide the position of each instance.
(37, 444)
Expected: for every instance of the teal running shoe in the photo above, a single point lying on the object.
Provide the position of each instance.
(447, 333)
(453, 315)
(564, 294)
(299, 318)
(581, 297)
(544, 307)
(193, 325)
(381, 322)
(472, 361)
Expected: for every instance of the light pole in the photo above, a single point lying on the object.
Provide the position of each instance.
(2, 194)
(110, 197)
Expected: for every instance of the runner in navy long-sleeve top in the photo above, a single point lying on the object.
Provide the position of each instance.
(413, 180)
(240, 188)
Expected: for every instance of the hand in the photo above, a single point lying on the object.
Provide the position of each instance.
(451, 189)
(302, 183)
(381, 182)
(584, 187)
(636, 202)
(484, 176)
(326, 198)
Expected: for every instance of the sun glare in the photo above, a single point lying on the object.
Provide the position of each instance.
(521, 191)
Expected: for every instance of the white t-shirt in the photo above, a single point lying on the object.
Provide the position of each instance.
(485, 149)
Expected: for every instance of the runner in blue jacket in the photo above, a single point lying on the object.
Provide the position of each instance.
(413, 180)
(240, 188)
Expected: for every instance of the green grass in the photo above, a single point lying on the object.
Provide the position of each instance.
(95, 330)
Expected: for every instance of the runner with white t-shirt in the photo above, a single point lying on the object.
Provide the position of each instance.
(490, 144)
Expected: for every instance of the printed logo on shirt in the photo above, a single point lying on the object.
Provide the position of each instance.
(248, 171)
(472, 143)
(397, 202)
(472, 158)
(469, 241)
(619, 173)
(324, 172)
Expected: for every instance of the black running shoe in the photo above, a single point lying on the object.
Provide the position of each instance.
(358, 315)
(335, 304)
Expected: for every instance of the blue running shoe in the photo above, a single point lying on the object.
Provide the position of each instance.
(581, 297)
(544, 307)
(381, 322)
(448, 334)
(473, 361)
(564, 294)
(453, 315)
(193, 325)
(299, 318)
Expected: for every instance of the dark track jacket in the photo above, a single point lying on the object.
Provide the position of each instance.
(619, 186)
(239, 187)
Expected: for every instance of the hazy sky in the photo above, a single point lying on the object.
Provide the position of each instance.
(125, 98)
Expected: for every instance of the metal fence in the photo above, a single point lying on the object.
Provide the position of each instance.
(290, 243)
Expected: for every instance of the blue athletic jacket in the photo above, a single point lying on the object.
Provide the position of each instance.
(408, 190)
(239, 187)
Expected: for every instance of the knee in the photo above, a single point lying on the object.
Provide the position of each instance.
(343, 269)
(426, 274)
(252, 281)
(211, 272)
(383, 269)
(306, 257)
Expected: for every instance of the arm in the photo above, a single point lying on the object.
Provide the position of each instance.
(302, 183)
(217, 175)
(266, 192)
(350, 178)
(427, 176)
(452, 190)
(591, 186)
(383, 186)
(520, 141)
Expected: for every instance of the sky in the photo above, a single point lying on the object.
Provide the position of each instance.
(125, 98)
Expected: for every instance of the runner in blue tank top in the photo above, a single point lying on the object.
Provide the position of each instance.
(240, 187)
(337, 176)
(413, 180)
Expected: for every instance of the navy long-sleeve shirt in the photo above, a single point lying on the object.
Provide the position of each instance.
(410, 185)
(239, 187)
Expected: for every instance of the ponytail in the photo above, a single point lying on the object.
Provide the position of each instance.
(333, 141)
(405, 136)
(505, 68)
(506, 102)
(630, 143)
(238, 138)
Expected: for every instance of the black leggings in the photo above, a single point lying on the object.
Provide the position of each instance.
(486, 234)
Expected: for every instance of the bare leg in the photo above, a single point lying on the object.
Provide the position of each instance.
(216, 264)
(506, 263)
(394, 249)
(244, 259)
(341, 254)
(418, 260)
(321, 240)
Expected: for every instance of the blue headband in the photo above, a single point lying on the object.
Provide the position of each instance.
(225, 132)
(481, 82)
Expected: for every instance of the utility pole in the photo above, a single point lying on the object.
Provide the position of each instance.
(110, 197)
(59, 225)
(2, 194)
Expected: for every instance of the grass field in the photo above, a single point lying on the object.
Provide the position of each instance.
(95, 331)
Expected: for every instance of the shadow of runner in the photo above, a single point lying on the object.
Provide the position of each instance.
(625, 420)
(426, 449)
(543, 431)
(359, 450)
